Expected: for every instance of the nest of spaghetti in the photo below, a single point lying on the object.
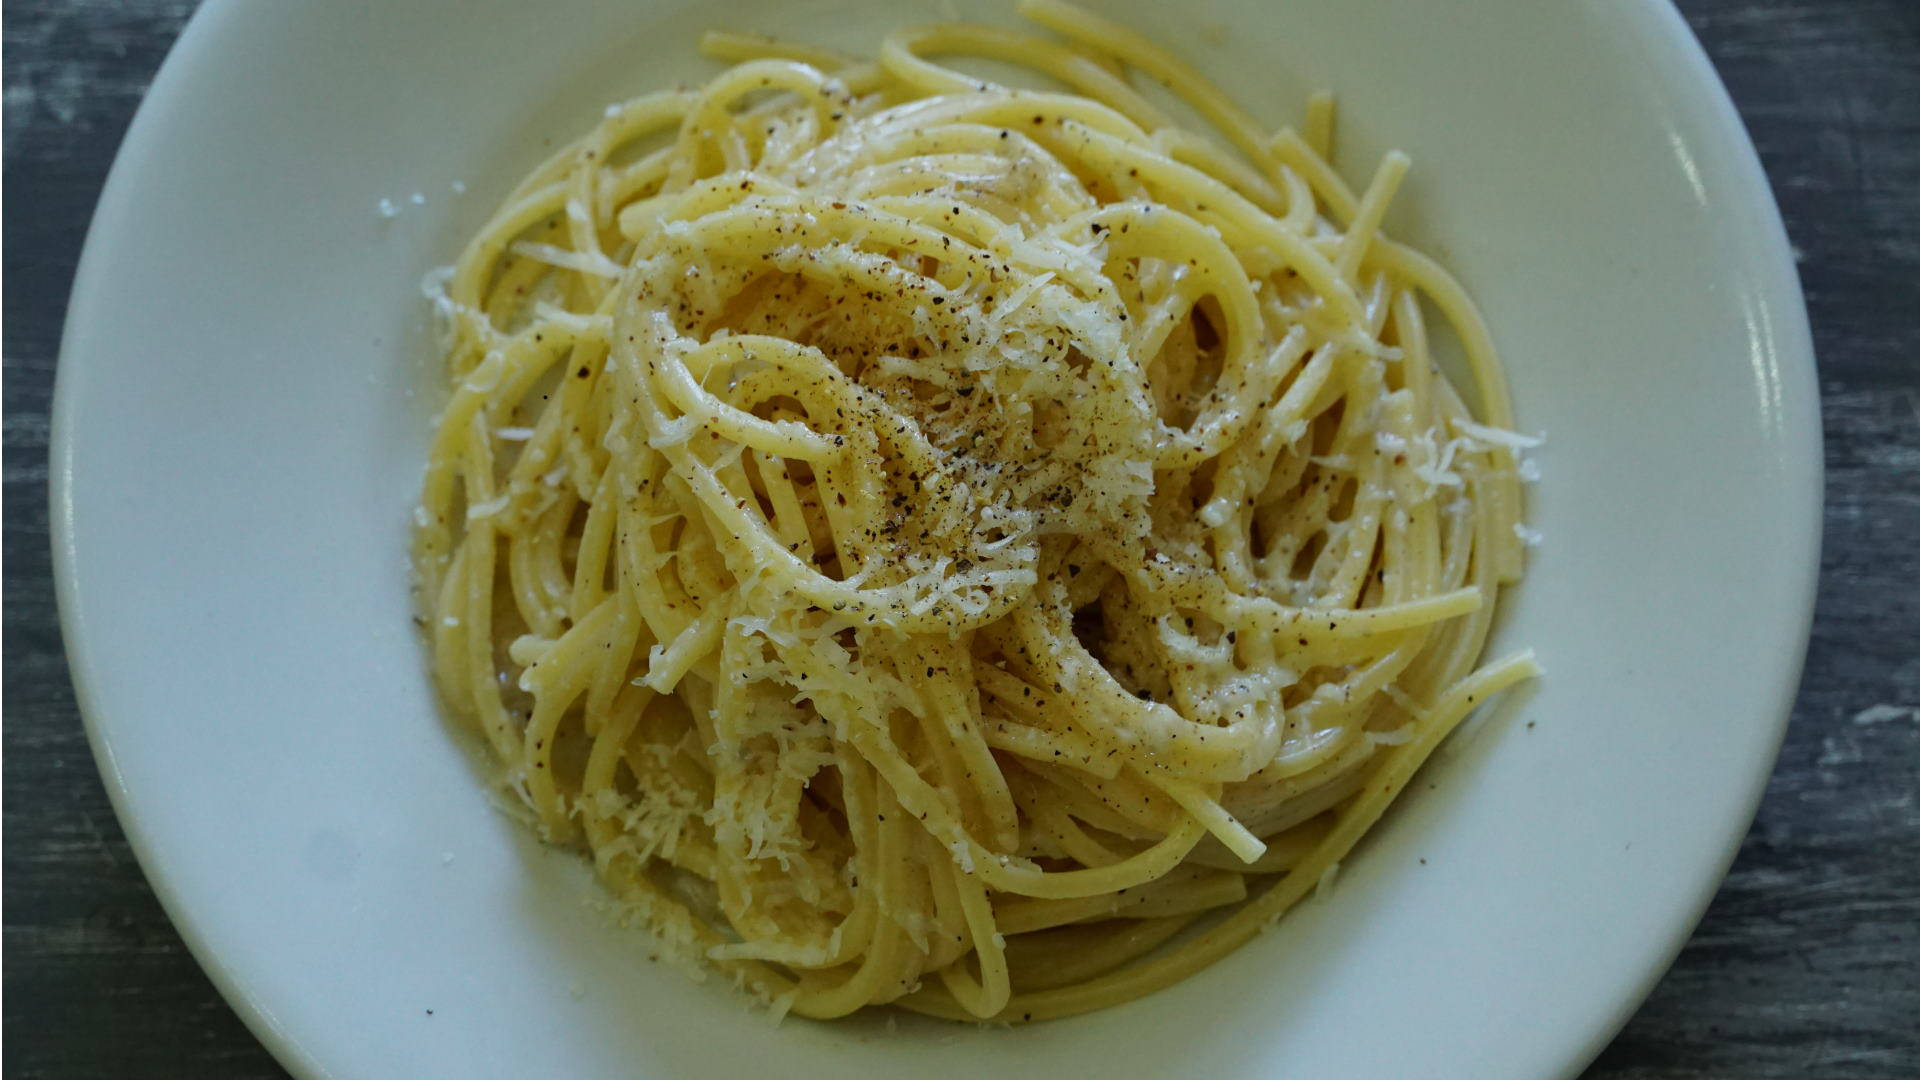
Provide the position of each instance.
(933, 541)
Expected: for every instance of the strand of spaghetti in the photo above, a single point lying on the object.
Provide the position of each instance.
(1373, 207)
(1206, 810)
(1317, 128)
(1193, 151)
(725, 45)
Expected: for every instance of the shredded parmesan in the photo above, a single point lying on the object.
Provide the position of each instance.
(592, 262)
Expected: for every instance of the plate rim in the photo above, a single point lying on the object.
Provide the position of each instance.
(113, 203)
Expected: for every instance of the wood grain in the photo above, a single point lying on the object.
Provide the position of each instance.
(1807, 965)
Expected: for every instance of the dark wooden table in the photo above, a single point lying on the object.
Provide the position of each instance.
(1807, 964)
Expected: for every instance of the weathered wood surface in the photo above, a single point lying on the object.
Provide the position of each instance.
(1806, 966)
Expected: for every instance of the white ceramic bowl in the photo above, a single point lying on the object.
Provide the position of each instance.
(243, 408)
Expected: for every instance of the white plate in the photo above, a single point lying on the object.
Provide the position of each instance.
(243, 408)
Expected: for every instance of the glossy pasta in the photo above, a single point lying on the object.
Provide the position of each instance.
(935, 542)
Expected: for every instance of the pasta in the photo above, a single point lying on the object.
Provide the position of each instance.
(985, 549)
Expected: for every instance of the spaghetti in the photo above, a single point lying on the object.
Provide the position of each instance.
(933, 542)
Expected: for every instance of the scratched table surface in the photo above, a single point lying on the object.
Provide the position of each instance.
(1808, 962)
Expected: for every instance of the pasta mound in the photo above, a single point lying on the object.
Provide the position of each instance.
(932, 541)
